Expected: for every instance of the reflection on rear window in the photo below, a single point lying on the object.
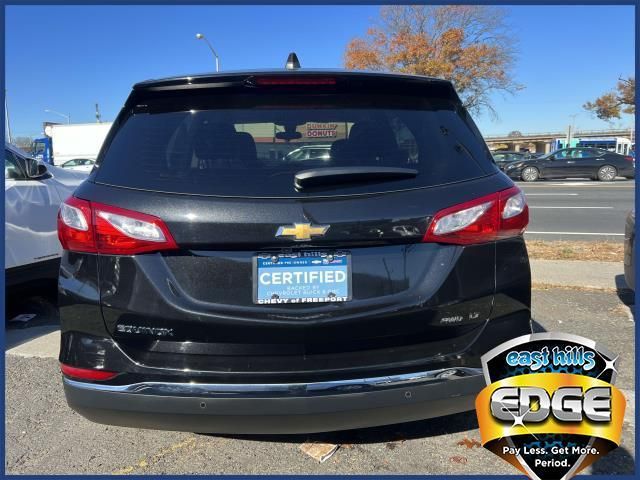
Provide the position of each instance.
(257, 151)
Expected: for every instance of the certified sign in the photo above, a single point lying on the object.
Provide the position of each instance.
(303, 277)
(550, 407)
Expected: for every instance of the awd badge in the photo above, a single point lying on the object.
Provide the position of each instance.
(550, 407)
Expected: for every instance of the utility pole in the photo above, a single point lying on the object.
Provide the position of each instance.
(98, 116)
(7, 122)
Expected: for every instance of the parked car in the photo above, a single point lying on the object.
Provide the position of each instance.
(629, 249)
(502, 158)
(310, 152)
(33, 193)
(574, 163)
(79, 164)
(205, 287)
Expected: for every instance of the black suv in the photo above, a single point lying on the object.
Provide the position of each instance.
(210, 285)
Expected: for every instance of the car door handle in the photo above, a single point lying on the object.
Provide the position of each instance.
(571, 161)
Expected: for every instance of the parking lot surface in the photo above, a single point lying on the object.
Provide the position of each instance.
(578, 209)
(43, 436)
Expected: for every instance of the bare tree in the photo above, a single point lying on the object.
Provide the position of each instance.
(22, 142)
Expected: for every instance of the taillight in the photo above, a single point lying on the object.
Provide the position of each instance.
(75, 229)
(86, 373)
(514, 213)
(96, 228)
(628, 158)
(125, 232)
(499, 215)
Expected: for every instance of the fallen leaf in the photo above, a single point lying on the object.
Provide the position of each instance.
(319, 451)
(470, 443)
(458, 459)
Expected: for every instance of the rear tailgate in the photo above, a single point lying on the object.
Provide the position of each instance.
(213, 164)
(204, 292)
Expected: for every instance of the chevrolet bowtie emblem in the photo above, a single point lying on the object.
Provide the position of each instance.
(302, 232)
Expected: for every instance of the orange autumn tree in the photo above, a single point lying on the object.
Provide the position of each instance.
(468, 44)
(611, 105)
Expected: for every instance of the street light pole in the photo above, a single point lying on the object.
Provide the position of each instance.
(6, 117)
(68, 117)
(200, 36)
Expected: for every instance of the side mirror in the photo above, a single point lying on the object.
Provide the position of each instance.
(551, 157)
(35, 169)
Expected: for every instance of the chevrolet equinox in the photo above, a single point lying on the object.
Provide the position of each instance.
(210, 284)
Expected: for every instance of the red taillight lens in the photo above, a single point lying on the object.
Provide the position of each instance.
(96, 228)
(75, 229)
(628, 158)
(86, 373)
(293, 80)
(498, 215)
(125, 232)
(514, 213)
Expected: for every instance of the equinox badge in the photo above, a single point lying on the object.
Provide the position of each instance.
(302, 232)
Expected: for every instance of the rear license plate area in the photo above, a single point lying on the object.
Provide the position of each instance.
(301, 278)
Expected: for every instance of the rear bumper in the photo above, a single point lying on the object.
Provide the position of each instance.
(278, 408)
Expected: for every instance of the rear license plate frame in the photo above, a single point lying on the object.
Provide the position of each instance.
(343, 261)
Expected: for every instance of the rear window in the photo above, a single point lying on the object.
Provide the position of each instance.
(253, 145)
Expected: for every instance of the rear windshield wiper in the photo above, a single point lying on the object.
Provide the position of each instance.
(335, 175)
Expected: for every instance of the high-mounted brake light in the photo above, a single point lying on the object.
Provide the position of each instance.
(86, 373)
(499, 215)
(96, 228)
(293, 80)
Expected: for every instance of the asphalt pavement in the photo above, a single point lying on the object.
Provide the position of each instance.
(578, 209)
(44, 436)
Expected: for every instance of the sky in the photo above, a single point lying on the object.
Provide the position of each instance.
(75, 56)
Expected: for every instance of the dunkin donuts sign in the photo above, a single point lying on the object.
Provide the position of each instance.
(322, 130)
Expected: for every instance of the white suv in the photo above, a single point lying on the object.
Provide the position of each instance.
(33, 193)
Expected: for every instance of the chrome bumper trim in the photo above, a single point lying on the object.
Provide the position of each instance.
(360, 385)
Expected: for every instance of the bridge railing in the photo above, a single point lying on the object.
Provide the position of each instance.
(603, 133)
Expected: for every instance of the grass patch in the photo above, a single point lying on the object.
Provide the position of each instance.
(564, 250)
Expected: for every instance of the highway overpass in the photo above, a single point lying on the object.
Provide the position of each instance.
(543, 142)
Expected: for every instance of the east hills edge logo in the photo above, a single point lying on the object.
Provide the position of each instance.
(550, 407)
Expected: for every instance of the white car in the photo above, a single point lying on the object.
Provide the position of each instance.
(79, 164)
(33, 192)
